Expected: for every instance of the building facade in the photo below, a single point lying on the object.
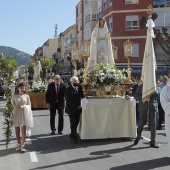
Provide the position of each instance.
(90, 17)
(79, 23)
(123, 19)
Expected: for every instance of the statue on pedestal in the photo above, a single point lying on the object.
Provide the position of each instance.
(101, 46)
(37, 69)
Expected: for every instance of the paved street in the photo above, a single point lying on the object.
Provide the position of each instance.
(56, 152)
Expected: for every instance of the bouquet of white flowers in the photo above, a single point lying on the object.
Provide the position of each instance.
(100, 75)
(38, 87)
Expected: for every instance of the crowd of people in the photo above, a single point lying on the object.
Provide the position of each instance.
(62, 98)
(59, 97)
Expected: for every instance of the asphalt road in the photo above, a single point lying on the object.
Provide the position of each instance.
(46, 152)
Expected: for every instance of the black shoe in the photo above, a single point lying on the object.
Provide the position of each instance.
(160, 128)
(136, 141)
(60, 133)
(141, 137)
(153, 145)
(52, 133)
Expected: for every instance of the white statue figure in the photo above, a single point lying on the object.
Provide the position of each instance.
(101, 46)
(37, 69)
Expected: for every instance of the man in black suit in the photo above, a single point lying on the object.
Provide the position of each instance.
(143, 108)
(73, 97)
(134, 88)
(55, 101)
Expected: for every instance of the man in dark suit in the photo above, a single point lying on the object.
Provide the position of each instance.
(143, 108)
(134, 88)
(55, 101)
(73, 97)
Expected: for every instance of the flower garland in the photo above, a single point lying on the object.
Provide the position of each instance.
(7, 113)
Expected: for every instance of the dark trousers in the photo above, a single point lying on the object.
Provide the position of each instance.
(137, 113)
(161, 114)
(74, 115)
(142, 122)
(60, 118)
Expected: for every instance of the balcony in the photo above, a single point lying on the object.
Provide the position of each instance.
(69, 42)
(161, 3)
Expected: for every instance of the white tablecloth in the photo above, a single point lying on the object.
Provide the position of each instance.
(107, 118)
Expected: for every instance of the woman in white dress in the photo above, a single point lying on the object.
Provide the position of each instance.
(19, 119)
(101, 46)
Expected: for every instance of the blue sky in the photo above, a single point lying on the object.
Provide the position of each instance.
(27, 24)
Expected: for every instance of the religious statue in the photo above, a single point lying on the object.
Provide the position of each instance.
(101, 46)
(37, 69)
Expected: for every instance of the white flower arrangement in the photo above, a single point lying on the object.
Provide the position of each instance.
(100, 75)
(80, 75)
(38, 87)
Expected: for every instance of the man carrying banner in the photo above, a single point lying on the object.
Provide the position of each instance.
(146, 92)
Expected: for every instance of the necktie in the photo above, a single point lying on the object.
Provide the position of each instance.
(57, 90)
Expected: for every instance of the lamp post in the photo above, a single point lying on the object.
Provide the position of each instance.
(128, 52)
(85, 49)
(75, 56)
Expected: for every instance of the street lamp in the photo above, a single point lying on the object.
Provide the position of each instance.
(128, 52)
(85, 49)
(75, 56)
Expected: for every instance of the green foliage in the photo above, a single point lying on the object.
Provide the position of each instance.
(4, 64)
(48, 63)
(9, 66)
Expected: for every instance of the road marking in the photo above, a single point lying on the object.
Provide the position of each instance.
(146, 138)
(150, 140)
(33, 156)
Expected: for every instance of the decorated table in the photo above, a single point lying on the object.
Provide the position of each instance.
(37, 100)
(107, 118)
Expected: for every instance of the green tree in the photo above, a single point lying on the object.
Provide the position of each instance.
(4, 64)
(8, 66)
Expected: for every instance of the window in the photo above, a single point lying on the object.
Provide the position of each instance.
(93, 17)
(110, 2)
(77, 11)
(100, 9)
(105, 4)
(86, 1)
(131, 1)
(136, 50)
(132, 22)
(87, 18)
(110, 24)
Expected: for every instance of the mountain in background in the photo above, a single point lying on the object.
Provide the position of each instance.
(21, 57)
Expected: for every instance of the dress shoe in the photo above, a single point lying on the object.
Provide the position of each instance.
(153, 145)
(136, 141)
(52, 133)
(60, 133)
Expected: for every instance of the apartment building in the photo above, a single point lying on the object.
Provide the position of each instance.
(79, 23)
(123, 20)
(90, 17)
(50, 47)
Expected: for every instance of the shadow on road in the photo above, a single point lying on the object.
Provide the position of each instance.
(145, 165)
